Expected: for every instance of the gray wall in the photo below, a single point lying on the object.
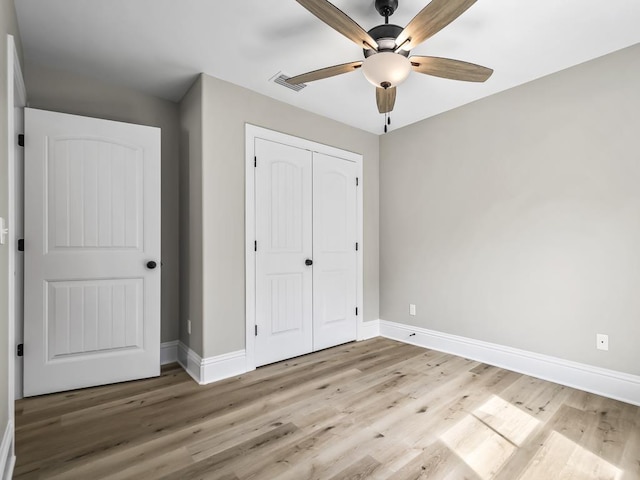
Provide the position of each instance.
(191, 292)
(8, 25)
(225, 110)
(516, 219)
(51, 89)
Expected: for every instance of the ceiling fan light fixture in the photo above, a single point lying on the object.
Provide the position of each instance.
(386, 68)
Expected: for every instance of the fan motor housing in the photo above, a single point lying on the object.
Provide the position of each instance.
(385, 35)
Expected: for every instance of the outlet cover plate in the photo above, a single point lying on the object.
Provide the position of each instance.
(602, 341)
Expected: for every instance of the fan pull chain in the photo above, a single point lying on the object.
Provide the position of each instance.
(387, 121)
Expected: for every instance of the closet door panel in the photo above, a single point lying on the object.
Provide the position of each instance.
(284, 241)
(334, 251)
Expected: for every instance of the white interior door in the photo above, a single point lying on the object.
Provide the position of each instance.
(334, 251)
(92, 224)
(283, 193)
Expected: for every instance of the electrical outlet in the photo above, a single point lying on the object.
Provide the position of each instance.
(189, 327)
(602, 341)
(4, 231)
(412, 309)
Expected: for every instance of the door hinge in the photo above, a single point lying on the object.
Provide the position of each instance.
(356, 246)
(21, 139)
(255, 245)
(255, 162)
(356, 311)
(357, 181)
(21, 245)
(20, 350)
(256, 330)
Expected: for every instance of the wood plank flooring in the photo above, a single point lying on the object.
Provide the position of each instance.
(377, 409)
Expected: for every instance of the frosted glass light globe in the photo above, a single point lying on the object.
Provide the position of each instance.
(389, 67)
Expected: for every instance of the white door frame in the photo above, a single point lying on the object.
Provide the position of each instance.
(251, 133)
(16, 98)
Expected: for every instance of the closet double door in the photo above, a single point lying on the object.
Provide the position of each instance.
(306, 258)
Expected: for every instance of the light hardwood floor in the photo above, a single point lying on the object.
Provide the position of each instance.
(374, 409)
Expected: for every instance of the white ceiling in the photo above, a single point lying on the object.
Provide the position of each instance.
(158, 46)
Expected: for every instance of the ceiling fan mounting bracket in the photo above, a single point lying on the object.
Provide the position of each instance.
(386, 8)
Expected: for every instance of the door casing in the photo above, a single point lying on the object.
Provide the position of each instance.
(253, 132)
(16, 101)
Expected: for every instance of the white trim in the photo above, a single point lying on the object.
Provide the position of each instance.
(16, 97)
(190, 361)
(367, 330)
(169, 352)
(249, 239)
(20, 90)
(251, 133)
(360, 253)
(223, 366)
(7, 457)
(608, 383)
(211, 369)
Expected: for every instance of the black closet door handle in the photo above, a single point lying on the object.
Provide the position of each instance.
(308, 262)
(151, 265)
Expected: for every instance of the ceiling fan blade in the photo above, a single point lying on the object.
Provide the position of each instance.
(431, 19)
(449, 68)
(339, 21)
(386, 99)
(324, 73)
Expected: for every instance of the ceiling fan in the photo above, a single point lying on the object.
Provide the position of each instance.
(387, 46)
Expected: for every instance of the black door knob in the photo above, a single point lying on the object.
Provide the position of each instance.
(308, 262)
(151, 265)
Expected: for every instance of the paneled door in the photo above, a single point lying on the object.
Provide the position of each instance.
(306, 257)
(334, 251)
(283, 195)
(92, 252)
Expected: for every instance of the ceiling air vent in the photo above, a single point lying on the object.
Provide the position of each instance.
(280, 78)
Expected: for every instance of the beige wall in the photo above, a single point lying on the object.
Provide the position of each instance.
(51, 89)
(191, 292)
(516, 219)
(225, 109)
(8, 25)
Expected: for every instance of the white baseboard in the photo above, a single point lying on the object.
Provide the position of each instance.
(223, 366)
(7, 457)
(211, 369)
(190, 361)
(608, 383)
(367, 330)
(169, 352)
